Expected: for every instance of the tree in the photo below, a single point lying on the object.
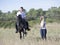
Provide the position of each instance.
(14, 12)
(39, 12)
(32, 13)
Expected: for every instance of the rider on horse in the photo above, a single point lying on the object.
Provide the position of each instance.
(21, 13)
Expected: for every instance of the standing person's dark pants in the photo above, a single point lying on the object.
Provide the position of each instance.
(43, 33)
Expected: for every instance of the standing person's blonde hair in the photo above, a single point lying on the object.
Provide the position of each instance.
(41, 21)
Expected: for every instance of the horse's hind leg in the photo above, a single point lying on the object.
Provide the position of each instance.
(20, 35)
(23, 33)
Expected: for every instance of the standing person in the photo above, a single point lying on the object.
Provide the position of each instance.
(22, 13)
(43, 30)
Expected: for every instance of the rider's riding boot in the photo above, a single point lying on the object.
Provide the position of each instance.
(16, 29)
(28, 29)
(25, 32)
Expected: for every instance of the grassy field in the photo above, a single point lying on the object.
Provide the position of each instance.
(9, 37)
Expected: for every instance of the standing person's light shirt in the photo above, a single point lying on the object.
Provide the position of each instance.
(43, 24)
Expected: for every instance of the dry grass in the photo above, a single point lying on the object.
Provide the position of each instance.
(9, 37)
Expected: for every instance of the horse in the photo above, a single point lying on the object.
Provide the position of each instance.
(20, 27)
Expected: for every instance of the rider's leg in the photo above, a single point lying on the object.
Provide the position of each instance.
(27, 25)
(16, 29)
(16, 25)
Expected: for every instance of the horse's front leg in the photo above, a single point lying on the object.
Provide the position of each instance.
(23, 32)
(20, 34)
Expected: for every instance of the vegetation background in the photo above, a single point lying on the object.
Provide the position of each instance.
(8, 19)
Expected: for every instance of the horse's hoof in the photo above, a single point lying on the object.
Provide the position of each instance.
(20, 37)
(25, 32)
